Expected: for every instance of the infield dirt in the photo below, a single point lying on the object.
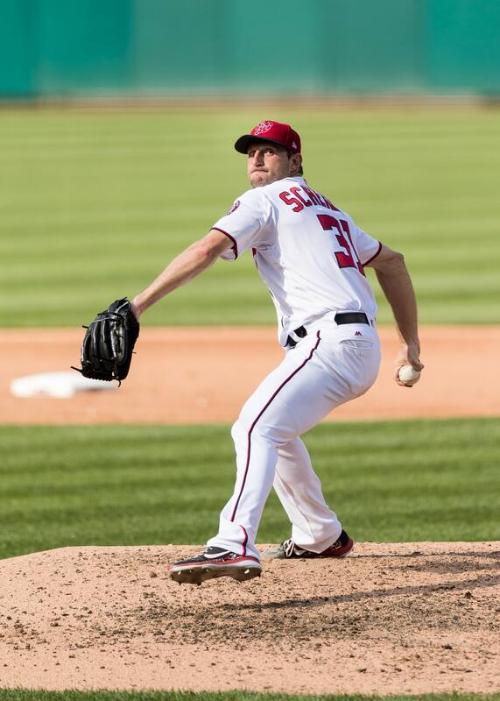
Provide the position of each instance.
(203, 375)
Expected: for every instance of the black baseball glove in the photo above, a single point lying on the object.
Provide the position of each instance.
(109, 343)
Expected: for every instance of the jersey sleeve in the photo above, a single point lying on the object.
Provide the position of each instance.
(366, 246)
(245, 223)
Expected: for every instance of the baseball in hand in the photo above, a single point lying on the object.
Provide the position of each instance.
(408, 375)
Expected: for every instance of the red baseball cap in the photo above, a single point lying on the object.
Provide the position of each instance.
(272, 132)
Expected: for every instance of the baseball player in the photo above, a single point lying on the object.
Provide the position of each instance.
(311, 256)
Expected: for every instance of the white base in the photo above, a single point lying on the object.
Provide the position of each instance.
(61, 385)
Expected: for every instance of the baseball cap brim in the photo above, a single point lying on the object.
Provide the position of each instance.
(244, 142)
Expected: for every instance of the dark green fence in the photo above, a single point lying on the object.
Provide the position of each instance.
(131, 47)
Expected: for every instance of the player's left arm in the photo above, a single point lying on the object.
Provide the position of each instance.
(186, 266)
(395, 281)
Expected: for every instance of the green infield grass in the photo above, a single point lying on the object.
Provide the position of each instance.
(128, 485)
(21, 695)
(95, 203)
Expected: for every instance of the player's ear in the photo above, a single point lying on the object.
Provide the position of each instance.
(295, 164)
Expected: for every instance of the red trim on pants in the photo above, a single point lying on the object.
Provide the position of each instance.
(245, 540)
(249, 440)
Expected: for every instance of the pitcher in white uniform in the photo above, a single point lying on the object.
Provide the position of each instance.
(311, 256)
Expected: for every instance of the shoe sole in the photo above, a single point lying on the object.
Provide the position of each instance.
(197, 575)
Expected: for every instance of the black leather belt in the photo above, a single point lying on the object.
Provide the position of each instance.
(340, 318)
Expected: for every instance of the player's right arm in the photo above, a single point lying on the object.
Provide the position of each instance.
(186, 266)
(395, 281)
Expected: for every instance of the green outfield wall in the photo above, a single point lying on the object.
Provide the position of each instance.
(50, 48)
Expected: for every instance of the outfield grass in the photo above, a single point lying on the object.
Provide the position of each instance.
(21, 695)
(94, 204)
(399, 481)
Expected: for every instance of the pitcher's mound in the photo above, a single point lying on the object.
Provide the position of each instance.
(391, 618)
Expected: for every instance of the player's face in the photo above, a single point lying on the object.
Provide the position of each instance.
(267, 163)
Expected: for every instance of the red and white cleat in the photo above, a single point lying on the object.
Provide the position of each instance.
(290, 550)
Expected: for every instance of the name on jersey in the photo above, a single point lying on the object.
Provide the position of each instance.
(300, 197)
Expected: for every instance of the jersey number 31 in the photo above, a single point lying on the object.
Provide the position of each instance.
(346, 258)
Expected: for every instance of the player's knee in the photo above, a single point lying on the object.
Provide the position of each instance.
(243, 430)
(273, 434)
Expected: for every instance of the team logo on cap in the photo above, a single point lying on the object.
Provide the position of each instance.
(262, 128)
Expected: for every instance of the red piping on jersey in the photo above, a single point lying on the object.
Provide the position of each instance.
(235, 247)
(249, 440)
(376, 254)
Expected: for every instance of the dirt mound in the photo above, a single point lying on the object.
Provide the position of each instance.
(391, 618)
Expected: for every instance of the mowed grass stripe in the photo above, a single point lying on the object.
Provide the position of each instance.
(127, 485)
(95, 204)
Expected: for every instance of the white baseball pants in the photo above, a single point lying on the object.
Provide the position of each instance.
(330, 366)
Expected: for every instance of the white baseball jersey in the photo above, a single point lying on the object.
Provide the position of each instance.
(309, 253)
